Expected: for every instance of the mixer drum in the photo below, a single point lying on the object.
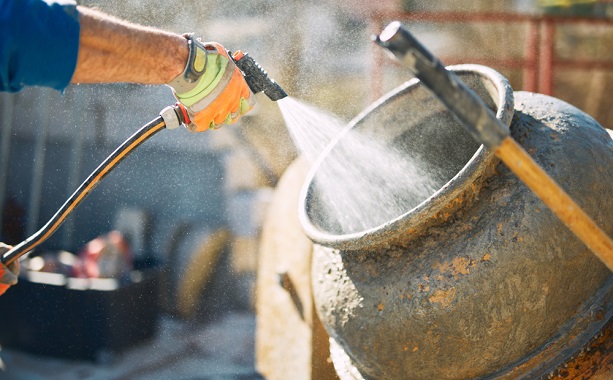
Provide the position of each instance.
(479, 278)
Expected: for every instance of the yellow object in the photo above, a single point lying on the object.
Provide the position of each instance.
(200, 60)
(563, 3)
(203, 253)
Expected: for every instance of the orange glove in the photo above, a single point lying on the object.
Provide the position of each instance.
(212, 88)
(8, 275)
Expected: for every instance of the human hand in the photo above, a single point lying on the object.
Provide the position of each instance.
(212, 88)
(8, 275)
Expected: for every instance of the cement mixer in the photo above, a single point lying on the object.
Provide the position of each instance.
(479, 279)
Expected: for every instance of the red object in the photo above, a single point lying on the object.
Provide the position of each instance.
(107, 256)
(186, 119)
(237, 55)
(5, 287)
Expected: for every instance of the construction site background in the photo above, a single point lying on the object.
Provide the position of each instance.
(321, 53)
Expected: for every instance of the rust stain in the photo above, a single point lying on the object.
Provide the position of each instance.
(594, 362)
(407, 347)
(465, 227)
(457, 266)
(499, 228)
(444, 297)
(455, 202)
(380, 307)
(448, 209)
(461, 265)
(516, 237)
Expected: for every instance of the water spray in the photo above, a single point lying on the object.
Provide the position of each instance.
(170, 118)
(480, 121)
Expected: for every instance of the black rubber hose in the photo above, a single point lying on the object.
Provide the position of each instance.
(85, 189)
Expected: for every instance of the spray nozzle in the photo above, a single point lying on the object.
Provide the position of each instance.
(257, 78)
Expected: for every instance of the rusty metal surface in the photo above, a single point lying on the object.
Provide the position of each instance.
(495, 288)
(594, 361)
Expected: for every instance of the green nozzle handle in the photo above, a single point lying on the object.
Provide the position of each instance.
(468, 108)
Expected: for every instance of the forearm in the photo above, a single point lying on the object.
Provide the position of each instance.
(111, 50)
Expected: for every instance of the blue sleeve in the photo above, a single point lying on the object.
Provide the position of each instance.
(39, 42)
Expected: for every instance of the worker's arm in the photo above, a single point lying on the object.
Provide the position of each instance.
(8, 275)
(112, 50)
(52, 44)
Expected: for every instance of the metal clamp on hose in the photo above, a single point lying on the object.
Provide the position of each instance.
(171, 117)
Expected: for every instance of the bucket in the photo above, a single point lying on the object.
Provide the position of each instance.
(476, 278)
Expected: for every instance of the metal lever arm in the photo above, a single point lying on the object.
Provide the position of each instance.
(465, 105)
(481, 122)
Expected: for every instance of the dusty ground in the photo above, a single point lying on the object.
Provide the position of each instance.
(221, 349)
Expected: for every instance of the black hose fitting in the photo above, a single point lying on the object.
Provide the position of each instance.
(258, 79)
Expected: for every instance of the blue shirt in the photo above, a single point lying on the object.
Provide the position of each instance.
(39, 42)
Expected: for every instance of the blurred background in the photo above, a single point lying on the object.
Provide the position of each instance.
(190, 207)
